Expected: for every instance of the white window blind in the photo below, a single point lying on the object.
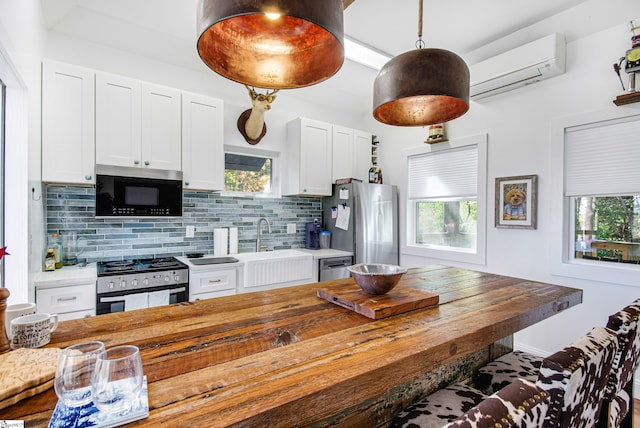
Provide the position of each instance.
(603, 159)
(444, 174)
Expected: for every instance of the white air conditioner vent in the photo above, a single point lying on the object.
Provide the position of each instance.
(529, 63)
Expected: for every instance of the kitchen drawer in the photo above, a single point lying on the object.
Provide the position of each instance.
(212, 281)
(77, 315)
(214, 294)
(62, 300)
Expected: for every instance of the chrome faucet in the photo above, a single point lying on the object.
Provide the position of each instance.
(258, 246)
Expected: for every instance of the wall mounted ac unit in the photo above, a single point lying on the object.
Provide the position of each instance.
(529, 63)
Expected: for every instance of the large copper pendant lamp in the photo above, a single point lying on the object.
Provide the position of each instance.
(279, 44)
(421, 87)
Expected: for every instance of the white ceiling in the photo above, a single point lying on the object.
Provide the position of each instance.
(166, 29)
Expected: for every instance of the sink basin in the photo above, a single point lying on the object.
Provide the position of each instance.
(272, 269)
(213, 260)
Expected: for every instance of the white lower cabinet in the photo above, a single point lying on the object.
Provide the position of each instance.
(212, 283)
(69, 302)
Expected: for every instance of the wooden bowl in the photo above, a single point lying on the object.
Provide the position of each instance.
(376, 278)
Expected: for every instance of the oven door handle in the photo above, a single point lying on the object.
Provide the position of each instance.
(121, 298)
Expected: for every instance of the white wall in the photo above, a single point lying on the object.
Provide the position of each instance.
(519, 125)
(21, 42)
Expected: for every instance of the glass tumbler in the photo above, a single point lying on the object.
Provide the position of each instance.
(73, 374)
(117, 379)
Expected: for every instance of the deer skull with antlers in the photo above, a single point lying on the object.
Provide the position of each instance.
(251, 122)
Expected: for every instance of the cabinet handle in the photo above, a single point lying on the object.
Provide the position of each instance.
(136, 162)
(186, 183)
(87, 177)
(213, 281)
(67, 299)
(146, 163)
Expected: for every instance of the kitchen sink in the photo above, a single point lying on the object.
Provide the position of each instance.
(279, 268)
(213, 261)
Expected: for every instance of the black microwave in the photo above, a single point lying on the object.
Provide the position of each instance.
(137, 192)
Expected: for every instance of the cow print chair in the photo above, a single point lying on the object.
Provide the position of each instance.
(575, 379)
(618, 404)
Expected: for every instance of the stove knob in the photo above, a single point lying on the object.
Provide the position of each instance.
(111, 284)
(176, 278)
(123, 284)
(145, 281)
(134, 283)
(167, 279)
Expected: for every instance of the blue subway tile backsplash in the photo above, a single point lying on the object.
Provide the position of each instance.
(71, 209)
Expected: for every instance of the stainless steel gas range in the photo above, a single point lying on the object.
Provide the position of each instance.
(133, 284)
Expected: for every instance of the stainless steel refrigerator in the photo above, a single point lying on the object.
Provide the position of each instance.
(363, 218)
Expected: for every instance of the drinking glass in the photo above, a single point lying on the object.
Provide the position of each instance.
(73, 374)
(117, 379)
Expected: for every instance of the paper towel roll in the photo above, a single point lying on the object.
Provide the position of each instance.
(233, 240)
(220, 238)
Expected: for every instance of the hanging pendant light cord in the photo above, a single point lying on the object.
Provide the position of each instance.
(419, 42)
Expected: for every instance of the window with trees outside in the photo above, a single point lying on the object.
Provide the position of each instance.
(250, 174)
(446, 200)
(603, 187)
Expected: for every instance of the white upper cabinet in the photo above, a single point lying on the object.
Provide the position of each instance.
(342, 152)
(68, 145)
(361, 155)
(351, 153)
(202, 142)
(309, 162)
(137, 124)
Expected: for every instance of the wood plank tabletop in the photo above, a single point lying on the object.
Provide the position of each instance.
(285, 357)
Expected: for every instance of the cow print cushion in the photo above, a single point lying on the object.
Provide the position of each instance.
(576, 379)
(439, 408)
(616, 409)
(505, 370)
(625, 324)
(521, 404)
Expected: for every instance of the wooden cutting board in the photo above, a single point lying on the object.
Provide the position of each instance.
(397, 301)
(25, 372)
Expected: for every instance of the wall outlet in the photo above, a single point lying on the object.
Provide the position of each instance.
(191, 230)
(291, 228)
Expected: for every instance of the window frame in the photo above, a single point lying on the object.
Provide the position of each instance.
(561, 257)
(478, 256)
(276, 191)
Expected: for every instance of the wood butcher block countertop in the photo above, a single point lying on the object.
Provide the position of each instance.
(285, 358)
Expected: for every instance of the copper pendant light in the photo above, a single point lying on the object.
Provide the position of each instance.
(421, 87)
(278, 44)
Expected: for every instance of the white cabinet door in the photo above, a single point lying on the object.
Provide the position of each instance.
(118, 120)
(361, 155)
(212, 283)
(202, 142)
(342, 159)
(68, 141)
(67, 301)
(161, 128)
(309, 151)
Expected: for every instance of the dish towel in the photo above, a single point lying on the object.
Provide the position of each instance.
(136, 301)
(159, 298)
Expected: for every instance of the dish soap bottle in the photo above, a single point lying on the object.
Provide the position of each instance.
(50, 260)
(56, 245)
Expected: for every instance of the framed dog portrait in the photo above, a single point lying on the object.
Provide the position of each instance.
(516, 202)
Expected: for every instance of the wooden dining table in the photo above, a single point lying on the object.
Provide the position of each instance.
(287, 358)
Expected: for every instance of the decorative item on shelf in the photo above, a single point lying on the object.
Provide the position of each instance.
(421, 87)
(282, 45)
(5, 344)
(436, 134)
(251, 122)
(631, 59)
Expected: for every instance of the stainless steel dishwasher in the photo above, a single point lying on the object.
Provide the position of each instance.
(334, 268)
